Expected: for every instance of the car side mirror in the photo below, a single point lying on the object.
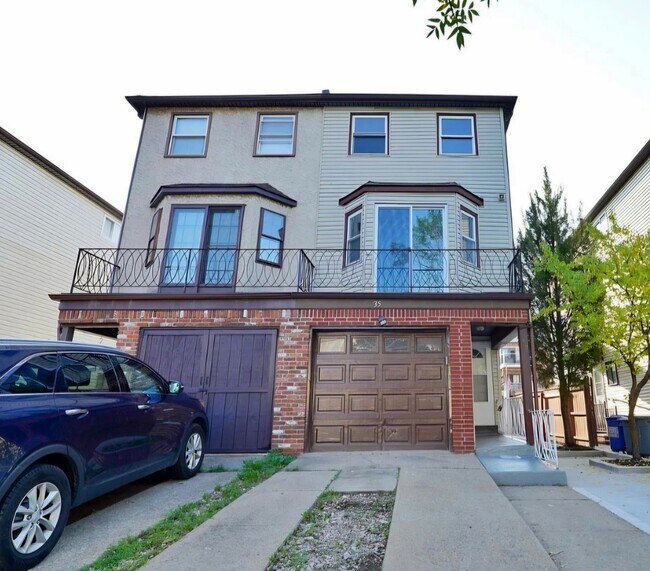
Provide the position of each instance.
(175, 387)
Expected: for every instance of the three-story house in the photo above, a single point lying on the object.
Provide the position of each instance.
(326, 271)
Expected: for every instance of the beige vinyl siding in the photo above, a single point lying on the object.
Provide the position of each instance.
(413, 158)
(617, 395)
(43, 223)
(631, 204)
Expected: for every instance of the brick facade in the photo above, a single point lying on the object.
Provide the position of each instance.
(291, 408)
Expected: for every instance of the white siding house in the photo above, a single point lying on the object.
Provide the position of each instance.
(628, 198)
(45, 217)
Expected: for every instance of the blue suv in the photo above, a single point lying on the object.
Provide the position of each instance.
(77, 421)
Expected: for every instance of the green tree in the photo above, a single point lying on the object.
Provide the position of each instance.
(454, 18)
(548, 227)
(608, 292)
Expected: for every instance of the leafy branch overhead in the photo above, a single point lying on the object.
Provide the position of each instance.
(453, 18)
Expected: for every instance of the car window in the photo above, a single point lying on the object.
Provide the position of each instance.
(139, 377)
(38, 375)
(88, 372)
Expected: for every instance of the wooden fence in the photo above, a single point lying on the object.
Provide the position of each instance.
(583, 415)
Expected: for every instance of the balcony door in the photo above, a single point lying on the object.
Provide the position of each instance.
(410, 244)
(202, 247)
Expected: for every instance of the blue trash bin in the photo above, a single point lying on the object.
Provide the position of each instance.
(615, 432)
(643, 429)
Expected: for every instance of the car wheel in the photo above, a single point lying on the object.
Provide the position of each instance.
(191, 455)
(32, 517)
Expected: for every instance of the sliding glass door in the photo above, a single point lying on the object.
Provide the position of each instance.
(202, 248)
(410, 243)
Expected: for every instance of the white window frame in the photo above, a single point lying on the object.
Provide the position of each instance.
(467, 251)
(473, 136)
(350, 237)
(425, 206)
(354, 117)
(173, 135)
(271, 116)
(114, 229)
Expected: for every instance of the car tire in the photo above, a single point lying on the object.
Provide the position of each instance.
(42, 492)
(190, 457)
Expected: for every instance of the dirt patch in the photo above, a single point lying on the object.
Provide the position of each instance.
(630, 462)
(346, 532)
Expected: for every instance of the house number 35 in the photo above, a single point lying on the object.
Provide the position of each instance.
(376, 303)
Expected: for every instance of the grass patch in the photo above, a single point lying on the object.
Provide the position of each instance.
(135, 551)
(216, 469)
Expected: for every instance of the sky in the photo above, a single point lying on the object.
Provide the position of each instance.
(579, 67)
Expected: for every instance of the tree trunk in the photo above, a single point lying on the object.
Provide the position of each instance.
(565, 408)
(634, 435)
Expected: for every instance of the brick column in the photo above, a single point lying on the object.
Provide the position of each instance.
(460, 383)
(290, 398)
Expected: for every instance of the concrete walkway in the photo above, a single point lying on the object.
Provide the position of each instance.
(245, 534)
(121, 514)
(455, 517)
(626, 495)
(578, 533)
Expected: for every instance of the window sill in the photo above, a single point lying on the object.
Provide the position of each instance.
(185, 156)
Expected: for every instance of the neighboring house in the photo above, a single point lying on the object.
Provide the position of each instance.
(628, 198)
(510, 370)
(326, 271)
(45, 217)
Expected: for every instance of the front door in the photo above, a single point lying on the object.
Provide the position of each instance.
(482, 385)
(410, 255)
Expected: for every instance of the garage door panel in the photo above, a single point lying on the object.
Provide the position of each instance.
(363, 403)
(362, 435)
(331, 374)
(429, 402)
(428, 373)
(396, 403)
(363, 374)
(329, 434)
(330, 403)
(430, 434)
(394, 398)
(396, 373)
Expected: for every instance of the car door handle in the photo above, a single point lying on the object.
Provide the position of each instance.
(143, 406)
(76, 411)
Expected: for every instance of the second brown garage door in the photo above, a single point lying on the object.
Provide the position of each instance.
(379, 391)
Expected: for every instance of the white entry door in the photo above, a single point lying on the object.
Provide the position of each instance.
(482, 383)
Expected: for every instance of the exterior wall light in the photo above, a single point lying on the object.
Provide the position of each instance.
(381, 320)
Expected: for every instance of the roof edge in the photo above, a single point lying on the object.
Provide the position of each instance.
(325, 99)
(50, 167)
(261, 189)
(620, 181)
(439, 187)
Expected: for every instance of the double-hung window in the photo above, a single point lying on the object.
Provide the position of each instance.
(270, 241)
(469, 237)
(189, 136)
(369, 135)
(457, 135)
(612, 373)
(276, 136)
(353, 237)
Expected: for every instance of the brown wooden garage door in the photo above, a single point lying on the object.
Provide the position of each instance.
(379, 391)
(231, 370)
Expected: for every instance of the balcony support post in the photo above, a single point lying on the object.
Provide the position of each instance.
(526, 380)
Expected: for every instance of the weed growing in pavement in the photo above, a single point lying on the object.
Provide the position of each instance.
(135, 551)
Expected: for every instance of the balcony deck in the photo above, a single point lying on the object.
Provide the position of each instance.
(239, 271)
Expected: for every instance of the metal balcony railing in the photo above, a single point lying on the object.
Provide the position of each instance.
(138, 270)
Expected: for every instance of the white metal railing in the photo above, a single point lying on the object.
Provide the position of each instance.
(544, 433)
(511, 420)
